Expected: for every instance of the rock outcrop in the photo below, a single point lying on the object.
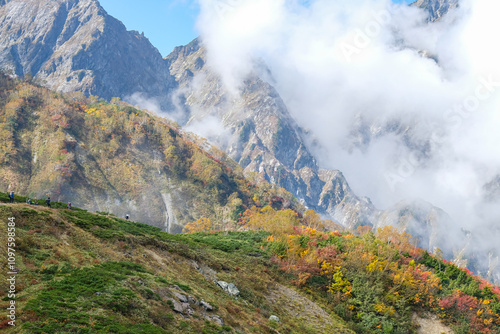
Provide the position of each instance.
(436, 8)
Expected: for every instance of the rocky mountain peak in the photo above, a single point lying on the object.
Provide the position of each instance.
(74, 45)
(436, 8)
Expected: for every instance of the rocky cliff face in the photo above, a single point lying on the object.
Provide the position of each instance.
(436, 8)
(74, 45)
(259, 133)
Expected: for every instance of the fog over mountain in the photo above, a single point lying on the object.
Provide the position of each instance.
(407, 109)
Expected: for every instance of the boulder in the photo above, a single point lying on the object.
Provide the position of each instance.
(192, 300)
(182, 298)
(206, 306)
(274, 318)
(215, 318)
(233, 290)
(230, 288)
(223, 285)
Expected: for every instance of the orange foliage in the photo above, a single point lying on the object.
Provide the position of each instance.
(201, 225)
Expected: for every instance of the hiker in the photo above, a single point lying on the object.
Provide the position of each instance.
(127, 217)
(11, 196)
(36, 202)
(69, 205)
(48, 202)
(28, 201)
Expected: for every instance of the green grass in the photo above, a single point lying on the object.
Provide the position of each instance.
(69, 303)
(95, 273)
(231, 241)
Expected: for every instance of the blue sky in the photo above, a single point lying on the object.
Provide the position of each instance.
(167, 23)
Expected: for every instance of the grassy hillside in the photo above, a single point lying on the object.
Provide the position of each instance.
(81, 272)
(112, 157)
(89, 273)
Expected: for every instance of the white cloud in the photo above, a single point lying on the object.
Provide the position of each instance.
(336, 62)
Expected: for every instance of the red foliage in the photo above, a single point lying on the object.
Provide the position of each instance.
(459, 301)
(328, 253)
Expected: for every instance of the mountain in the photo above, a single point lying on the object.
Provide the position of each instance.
(71, 45)
(74, 45)
(259, 133)
(111, 157)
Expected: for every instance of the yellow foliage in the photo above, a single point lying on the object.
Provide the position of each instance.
(383, 309)
(340, 284)
(313, 220)
(201, 225)
(271, 220)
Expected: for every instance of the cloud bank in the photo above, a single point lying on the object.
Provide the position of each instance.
(406, 109)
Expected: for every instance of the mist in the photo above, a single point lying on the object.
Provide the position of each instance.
(406, 109)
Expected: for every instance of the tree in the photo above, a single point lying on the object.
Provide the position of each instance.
(201, 225)
(313, 220)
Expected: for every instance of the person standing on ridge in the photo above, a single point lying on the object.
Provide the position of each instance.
(48, 202)
(11, 196)
(69, 205)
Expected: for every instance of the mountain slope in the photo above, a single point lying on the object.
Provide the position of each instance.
(74, 45)
(115, 158)
(81, 272)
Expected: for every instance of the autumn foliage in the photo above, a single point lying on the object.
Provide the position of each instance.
(201, 225)
(377, 281)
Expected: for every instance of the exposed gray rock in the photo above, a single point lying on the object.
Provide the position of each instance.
(182, 298)
(192, 300)
(436, 8)
(233, 290)
(206, 306)
(223, 285)
(187, 309)
(215, 318)
(182, 308)
(274, 318)
(178, 307)
(230, 288)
